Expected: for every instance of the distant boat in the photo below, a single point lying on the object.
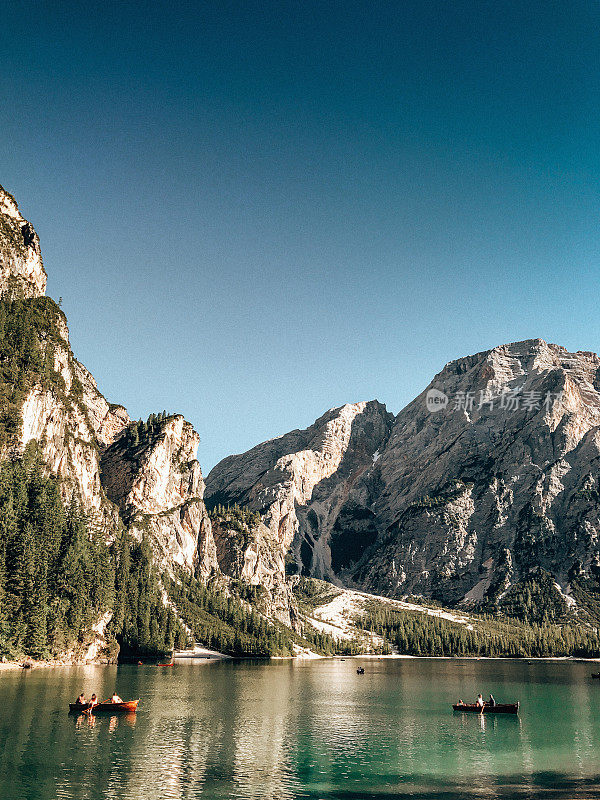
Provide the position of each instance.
(498, 708)
(595, 674)
(360, 671)
(126, 706)
(166, 665)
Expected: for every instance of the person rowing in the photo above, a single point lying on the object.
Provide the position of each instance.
(93, 702)
(81, 700)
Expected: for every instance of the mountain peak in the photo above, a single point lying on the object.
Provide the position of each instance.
(516, 362)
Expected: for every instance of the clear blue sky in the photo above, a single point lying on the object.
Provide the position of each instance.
(255, 211)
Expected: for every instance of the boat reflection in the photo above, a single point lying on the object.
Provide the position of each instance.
(313, 729)
(83, 721)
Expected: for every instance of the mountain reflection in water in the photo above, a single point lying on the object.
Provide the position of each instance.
(310, 729)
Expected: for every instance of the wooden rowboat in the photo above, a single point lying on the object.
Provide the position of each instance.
(499, 708)
(127, 707)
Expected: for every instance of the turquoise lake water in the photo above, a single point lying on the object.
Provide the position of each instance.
(311, 729)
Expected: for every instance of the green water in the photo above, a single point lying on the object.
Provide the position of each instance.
(303, 730)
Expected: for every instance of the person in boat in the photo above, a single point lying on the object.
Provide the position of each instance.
(81, 700)
(491, 701)
(480, 701)
(115, 698)
(90, 706)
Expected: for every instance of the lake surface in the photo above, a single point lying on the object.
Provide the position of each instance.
(311, 729)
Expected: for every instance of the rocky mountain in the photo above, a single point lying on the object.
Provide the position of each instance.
(300, 483)
(489, 473)
(156, 487)
(248, 553)
(484, 491)
(157, 484)
(142, 477)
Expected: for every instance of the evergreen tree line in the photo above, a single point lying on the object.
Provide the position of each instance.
(58, 576)
(419, 634)
(221, 621)
(235, 516)
(23, 361)
(139, 432)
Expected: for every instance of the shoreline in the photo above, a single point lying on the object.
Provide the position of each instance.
(10, 666)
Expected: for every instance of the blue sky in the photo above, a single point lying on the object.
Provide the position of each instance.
(256, 211)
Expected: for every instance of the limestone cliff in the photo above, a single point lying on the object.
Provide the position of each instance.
(155, 488)
(504, 478)
(157, 484)
(300, 481)
(247, 552)
(72, 421)
(456, 500)
(21, 268)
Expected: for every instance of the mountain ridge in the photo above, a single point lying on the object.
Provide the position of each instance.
(483, 491)
(456, 486)
(119, 478)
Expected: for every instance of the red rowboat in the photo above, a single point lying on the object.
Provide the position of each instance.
(126, 707)
(498, 708)
(166, 665)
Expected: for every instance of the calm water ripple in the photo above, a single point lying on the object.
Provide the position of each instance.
(289, 730)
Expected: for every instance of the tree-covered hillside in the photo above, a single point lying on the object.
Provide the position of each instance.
(29, 329)
(59, 576)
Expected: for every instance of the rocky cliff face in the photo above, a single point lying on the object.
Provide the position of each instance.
(300, 481)
(143, 476)
(61, 406)
(157, 484)
(155, 488)
(468, 498)
(247, 552)
(21, 268)
(454, 501)
(72, 421)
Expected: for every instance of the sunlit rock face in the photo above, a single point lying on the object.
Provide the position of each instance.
(470, 497)
(453, 501)
(21, 268)
(71, 424)
(155, 487)
(251, 554)
(78, 430)
(69, 417)
(158, 487)
(300, 481)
